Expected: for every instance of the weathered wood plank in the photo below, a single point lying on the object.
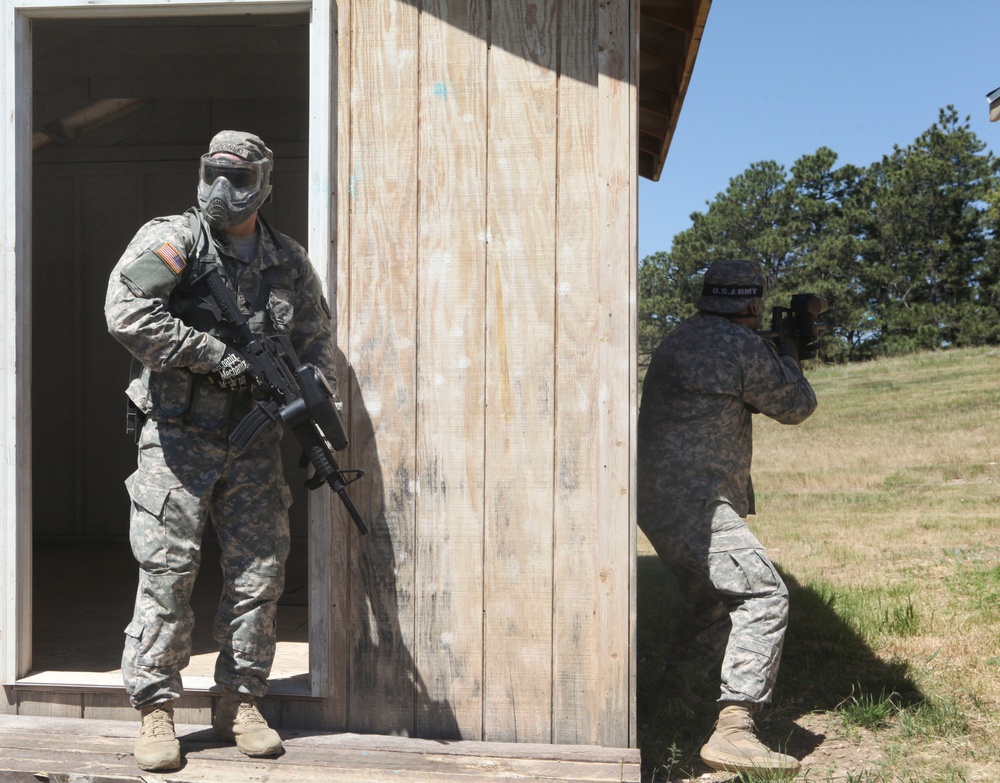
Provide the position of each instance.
(50, 705)
(8, 701)
(382, 349)
(342, 534)
(581, 394)
(33, 726)
(451, 383)
(104, 748)
(112, 706)
(15, 389)
(223, 765)
(617, 173)
(619, 66)
(323, 572)
(519, 368)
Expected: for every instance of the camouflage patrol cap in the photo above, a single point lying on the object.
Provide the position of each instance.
(245, 146)
(730, 286)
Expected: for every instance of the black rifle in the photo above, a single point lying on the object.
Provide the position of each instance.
(798, 323)
(291, 392)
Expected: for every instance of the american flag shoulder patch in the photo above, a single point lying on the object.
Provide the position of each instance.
(171, 258)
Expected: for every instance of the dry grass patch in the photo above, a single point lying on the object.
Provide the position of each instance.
(883, 511)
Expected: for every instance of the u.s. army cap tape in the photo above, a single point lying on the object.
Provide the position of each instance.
(729, 286)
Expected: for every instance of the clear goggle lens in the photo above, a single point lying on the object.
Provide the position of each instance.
(241, 175)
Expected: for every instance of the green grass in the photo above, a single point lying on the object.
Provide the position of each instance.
(867, 711)
(882, 512)
(933, 719)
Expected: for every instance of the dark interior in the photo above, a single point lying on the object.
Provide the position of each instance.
(122, 109)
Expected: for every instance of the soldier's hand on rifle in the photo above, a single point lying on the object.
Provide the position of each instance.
(787, 347)
(809, 351)
(232, 373)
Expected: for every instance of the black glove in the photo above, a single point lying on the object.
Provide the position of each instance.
(786, 347)
(232, 373)
(809, 351)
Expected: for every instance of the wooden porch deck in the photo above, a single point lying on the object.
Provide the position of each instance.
(68, 750)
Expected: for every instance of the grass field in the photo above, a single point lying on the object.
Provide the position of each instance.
(882, 512)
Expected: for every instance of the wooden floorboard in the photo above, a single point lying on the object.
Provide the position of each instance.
(64, 750)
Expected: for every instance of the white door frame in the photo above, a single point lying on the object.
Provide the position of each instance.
(15, 268)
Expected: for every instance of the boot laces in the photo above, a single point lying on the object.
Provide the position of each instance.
(249, 715)
(158, 724)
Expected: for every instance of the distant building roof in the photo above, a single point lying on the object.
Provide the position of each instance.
(994, 99)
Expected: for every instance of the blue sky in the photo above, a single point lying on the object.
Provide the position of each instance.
(777, 79)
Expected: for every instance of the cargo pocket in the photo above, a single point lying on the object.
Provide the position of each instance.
(156, 645)
(170, 392)
(134, 630)
(147, 531)
(148, 498)
(744, 572)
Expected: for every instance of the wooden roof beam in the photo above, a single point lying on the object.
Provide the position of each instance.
(659, 102)
(648, 165)
(678, 15)
(663, 46)
(653, 123)
(662, 83)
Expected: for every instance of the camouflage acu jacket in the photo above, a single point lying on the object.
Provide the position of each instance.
(695, 430)
(278, 291)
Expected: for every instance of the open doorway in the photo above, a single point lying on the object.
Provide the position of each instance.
(122, 109)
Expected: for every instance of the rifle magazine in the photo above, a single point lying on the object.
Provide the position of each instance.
(254, 423)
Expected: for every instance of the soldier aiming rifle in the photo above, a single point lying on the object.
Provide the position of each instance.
(705, 381)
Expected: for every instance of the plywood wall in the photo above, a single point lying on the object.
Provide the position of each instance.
(485, 279)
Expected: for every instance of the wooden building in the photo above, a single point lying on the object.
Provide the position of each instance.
(464, 174)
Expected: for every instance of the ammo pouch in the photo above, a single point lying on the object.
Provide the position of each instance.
(178, 393)
(170, 392)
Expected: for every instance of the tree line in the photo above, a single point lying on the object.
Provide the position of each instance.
(905, 251)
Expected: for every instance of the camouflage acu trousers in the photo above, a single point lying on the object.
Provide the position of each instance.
(186, 475)
(736, 604)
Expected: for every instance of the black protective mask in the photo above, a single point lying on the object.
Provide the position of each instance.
(230, 191)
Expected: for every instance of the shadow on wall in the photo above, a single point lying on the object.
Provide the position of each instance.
(387, 693)
(824, 662)
(531, 31)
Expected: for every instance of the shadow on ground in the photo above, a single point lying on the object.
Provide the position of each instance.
(824, 663)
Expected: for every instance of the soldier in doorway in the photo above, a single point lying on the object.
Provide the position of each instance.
(704, 382)
(193, 388)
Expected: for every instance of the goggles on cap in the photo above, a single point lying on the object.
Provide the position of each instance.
(241, 175)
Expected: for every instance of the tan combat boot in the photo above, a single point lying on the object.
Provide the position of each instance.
(157, 746)
(238, 719)
(734, 747)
